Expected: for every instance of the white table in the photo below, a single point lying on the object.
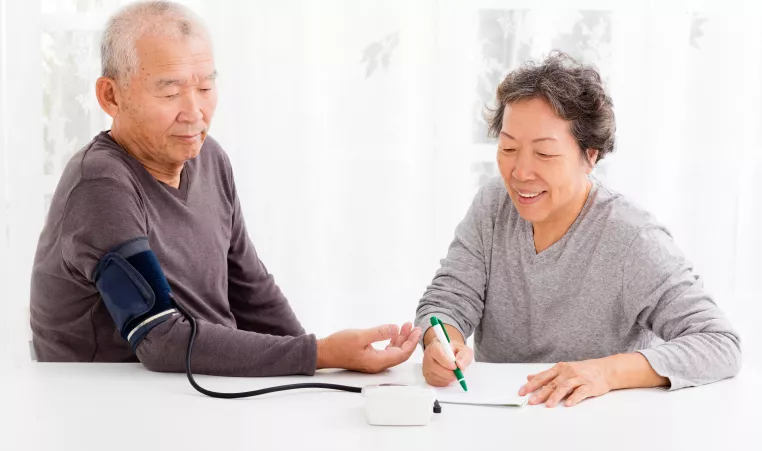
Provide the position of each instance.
(125, 407)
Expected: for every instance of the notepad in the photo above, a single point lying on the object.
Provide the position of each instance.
(489, 384)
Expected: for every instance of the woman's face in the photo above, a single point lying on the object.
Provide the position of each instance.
(540, 162)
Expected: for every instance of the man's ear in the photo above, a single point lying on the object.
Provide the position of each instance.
(107, 91)
(592, 157)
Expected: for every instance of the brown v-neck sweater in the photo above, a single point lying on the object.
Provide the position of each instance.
(106, 197)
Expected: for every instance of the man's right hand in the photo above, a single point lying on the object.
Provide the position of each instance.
(437, 368)
(353, 349)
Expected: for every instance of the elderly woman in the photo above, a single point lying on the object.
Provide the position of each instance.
(550, 265)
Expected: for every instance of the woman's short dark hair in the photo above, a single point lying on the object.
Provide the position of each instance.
(574, 90)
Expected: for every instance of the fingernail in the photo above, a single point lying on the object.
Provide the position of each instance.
(533, 400)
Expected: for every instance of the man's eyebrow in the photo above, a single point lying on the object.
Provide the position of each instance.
(165, 82)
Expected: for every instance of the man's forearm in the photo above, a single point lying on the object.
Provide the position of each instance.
(224, 351)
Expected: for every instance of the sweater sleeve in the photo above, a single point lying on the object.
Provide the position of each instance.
(456, 295)
(103, 213)
(662, 293)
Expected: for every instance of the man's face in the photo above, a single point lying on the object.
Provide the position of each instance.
(167, 107)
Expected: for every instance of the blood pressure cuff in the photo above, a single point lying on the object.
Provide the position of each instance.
(134, 289)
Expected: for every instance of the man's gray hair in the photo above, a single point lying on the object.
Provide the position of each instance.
(119, 56)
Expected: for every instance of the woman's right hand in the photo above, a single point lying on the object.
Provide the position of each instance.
(438, 369)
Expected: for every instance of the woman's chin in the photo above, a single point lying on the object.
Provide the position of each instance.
(531, 213)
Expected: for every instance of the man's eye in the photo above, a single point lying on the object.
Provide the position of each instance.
(508, 150)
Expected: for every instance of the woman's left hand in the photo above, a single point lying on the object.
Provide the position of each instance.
(574, 381)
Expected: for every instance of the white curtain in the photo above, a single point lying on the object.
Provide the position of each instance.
(356, 136)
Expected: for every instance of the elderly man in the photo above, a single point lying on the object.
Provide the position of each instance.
(147, 216)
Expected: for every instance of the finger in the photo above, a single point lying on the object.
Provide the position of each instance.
(580, 394)
(562, 390)
(409, 345)
(436, 381)
(539, 380)
(436, 375)
(439, 356)
(407, 328)
(464, 356)
(543, 393)
(431, 366)
(380, 360)
(378, 333)
(393, 356)
(401, 336)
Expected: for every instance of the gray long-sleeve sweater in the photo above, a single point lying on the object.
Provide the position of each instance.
(614, 283)
(106, 197)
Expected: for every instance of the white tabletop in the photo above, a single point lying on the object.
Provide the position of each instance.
(88, 406)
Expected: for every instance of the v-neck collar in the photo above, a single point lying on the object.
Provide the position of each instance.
(181, 193)
(552, 251)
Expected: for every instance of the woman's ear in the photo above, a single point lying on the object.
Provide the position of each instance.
(592, 158)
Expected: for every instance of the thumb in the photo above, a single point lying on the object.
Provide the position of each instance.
(379, 333)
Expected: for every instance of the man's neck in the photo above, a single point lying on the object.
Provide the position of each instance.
(167, 174)
(548, 232)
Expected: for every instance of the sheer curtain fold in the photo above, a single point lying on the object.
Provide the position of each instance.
(21, 189)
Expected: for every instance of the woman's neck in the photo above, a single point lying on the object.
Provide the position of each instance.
(546, 233)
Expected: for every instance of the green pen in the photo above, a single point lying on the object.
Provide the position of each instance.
(445, 340)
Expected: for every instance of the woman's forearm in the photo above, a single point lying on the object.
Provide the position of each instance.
(453, 333)
(632, 371)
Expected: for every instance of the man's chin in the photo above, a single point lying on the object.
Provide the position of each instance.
(187, 152)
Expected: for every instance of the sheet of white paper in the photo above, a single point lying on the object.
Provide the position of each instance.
(489, 384)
